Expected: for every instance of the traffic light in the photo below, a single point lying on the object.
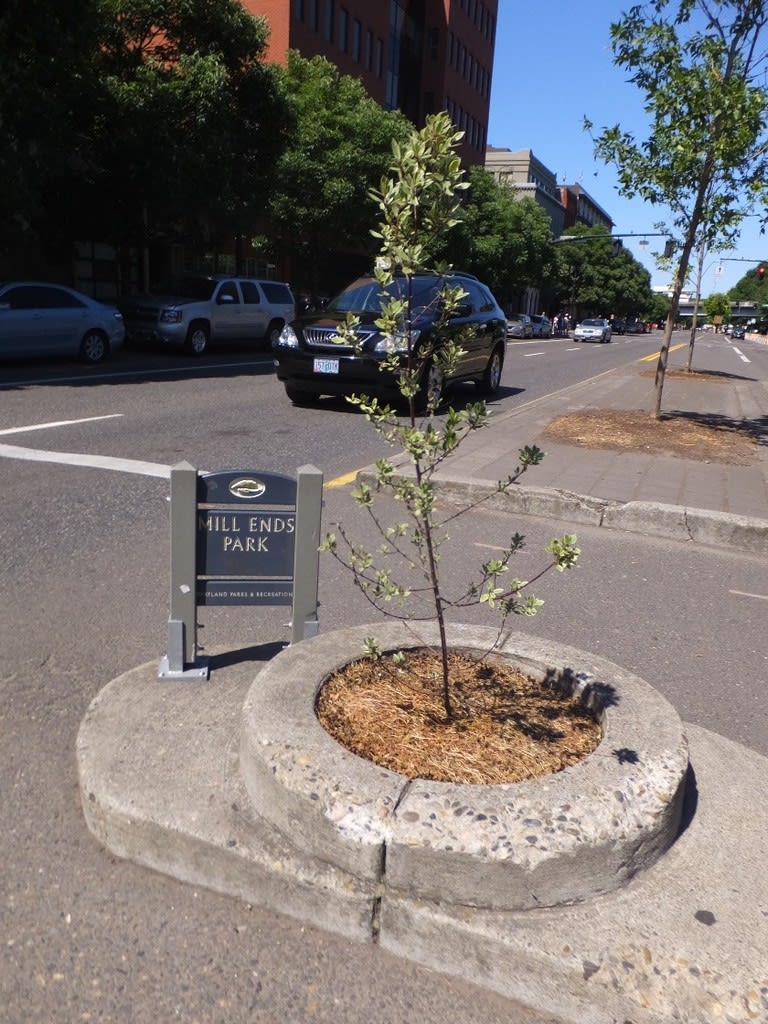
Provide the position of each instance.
(760, 274)
(669, 248)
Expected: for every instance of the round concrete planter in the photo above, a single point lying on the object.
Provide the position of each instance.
(554, 840)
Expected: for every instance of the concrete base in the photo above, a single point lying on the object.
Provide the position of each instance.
(685, 940)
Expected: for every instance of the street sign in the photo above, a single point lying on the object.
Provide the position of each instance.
(245, 537)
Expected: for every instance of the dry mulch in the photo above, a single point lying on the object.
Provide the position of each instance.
(700, 436)
(506, 726)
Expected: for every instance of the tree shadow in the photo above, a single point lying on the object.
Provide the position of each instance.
(754, 429)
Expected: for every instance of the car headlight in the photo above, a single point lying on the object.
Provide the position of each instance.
(171, 316)
(288, 337)
(395, 342)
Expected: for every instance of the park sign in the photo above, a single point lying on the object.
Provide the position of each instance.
(243, 537)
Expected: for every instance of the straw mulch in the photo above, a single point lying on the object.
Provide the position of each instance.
(506, 727)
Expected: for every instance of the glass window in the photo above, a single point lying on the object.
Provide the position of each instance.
(330, 17)
(31, 296)
(228, 290)
(251, 293)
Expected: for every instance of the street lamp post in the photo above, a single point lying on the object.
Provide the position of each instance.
(697, 299)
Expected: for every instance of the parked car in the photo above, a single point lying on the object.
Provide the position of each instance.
(310, 363)
(618, 325)
(739, 331)
(42, 319)
(198, 310)
(519, 325)
(593, 330)
(636, 327)
(541, 325)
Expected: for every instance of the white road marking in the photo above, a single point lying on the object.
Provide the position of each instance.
(9, 451)
(59, 423)
(741, 355)
(745, 593)
(526, 355)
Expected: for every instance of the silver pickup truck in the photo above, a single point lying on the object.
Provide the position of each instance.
(198, 310)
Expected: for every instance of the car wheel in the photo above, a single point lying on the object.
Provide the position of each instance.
(197, 338)
(94, 347)
(301, 398)
(489, 382)
(274, 330)
(431, 390)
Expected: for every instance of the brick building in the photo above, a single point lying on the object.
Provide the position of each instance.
(418, 56)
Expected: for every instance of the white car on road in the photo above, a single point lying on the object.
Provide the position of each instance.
(593, 330)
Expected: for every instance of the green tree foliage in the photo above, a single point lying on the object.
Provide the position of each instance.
(700, 66)
(188, 120)
(340, 146)
(751, 287)
(718, 305)
(505, 241)
(46, 86)
(594, 279)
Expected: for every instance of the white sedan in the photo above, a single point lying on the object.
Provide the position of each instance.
(593, 330)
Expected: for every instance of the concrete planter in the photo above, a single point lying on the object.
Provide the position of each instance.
(548, 842)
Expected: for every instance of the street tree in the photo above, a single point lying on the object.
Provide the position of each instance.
(717, 308)
(594, 277)
(700, 65)
(188, 121)
(340, 146)
(751, 287)
(46, 86)
(506, 241)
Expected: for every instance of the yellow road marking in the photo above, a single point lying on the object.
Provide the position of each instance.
(342, 481)
(655, 355)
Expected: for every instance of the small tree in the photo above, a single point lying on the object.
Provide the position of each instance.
(700, 65)
(419, 203)
(717, 305)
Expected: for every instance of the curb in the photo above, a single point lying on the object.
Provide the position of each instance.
(747, 534)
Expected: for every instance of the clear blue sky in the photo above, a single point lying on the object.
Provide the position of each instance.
(553, 66)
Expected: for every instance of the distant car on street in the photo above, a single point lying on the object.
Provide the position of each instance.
(541, 325)
(593, 330)
(739, 331)
(519, 325)
(618, 325)
(311, 359)
(636, 327)
(42, 319)
(198, 310)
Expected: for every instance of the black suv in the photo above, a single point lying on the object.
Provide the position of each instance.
(310, 363)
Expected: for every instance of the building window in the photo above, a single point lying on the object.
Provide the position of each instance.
(298, 9)
(343, 29)
(314, 14)
(330, 17)
(369, 49)
(379, 60)
(357, 34)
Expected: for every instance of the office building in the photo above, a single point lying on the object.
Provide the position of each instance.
(417, 56)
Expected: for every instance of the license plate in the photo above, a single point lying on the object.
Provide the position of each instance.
(326, 366)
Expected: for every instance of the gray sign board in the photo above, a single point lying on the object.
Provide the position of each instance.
(240, 538)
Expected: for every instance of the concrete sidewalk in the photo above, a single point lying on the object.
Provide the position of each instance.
(683, 499)
(684, 940)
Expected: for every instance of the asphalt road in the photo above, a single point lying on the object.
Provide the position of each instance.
(84, 589)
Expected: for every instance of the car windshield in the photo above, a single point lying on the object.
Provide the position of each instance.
(367, 296)
(592, 323)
